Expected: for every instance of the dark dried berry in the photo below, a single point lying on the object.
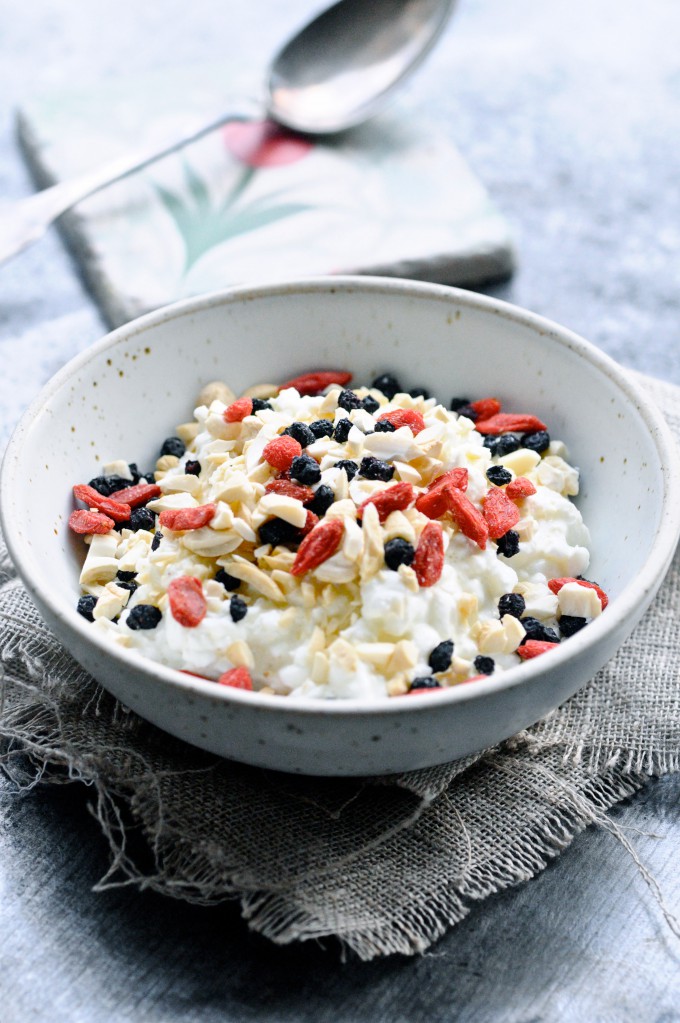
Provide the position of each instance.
(370, 404)
(388, 384)
(141, 518)
(384, 426)
(230, 582)
(301, 433)
(259, 405)
(86, 606)
(458, 403)
(238, 608)
(512, 604)
(143, 616)
(375, 469)
(192, 467)
(537, 441)
(425, 683)
(498, 475)
(349, 400)
(342, 430)
(537, 630)
(148, 477)
(322, 500)
(134, 472)
(125, 577)
(508, 544)
(502, 444)
(321, 428)
(569, 624)
(350, 467)
(419, 392)
(173, 446)
(468, 412)
(106, 485)
(398, 552)
(305, 470)
(156, 542)
(484, 665)
(131, 585)
(278, 531)
(440, 658)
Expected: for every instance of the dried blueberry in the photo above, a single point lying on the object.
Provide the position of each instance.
(277, 532)
(301, 433)
(230, 582)
(535, 629)
(508, 544)
(419, 392)
(141, 518)
(384, 426)
(498, 475)
(107, 485)
(259, 405)
(512, 604)
(173, 446)
(134, 472)
(370, 404)
(192, 467)
(148, 477)
(569, 624)
(388, 384)
(349, 400)
(484, 665)
(125, 577)
(440, 658)
(143, 616)
(425, 683)
(238, 608)
(342, 429)
(305, 470)
(86, 606)
(375, 469)
(398, 552)
(468, 412)
(321, 428)
(322, 500)
(156, 542)
(131, 586)
(503, 444)
(458, 403)
(350, 467)
(537, 441)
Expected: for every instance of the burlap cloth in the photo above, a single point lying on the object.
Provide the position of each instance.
(385, 865)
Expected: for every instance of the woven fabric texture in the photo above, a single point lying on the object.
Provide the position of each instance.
(383, 865)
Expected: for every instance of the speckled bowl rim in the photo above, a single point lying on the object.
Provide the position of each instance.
(622, 608)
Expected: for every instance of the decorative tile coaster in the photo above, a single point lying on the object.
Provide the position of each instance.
(250, 202)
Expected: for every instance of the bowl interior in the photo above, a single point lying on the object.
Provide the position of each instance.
(122, 397)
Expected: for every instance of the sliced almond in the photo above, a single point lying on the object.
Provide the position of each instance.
(255, 577)
(215, 390)
(240, 655)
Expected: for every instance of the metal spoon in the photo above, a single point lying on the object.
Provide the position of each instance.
(332, 75)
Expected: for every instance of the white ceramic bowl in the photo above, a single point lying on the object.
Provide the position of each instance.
(128, 391)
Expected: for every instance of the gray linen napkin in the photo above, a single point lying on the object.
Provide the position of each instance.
(385, 865)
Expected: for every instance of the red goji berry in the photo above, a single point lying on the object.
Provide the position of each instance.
(139, 494)
(395, 498)
(555, 585)
(485, 408)
(520, 487)
(318, 546)
(281, 451)
(117, 512)
(311, 521)
(313, 383)
(508, 422)
(237, 678)
(500, 513)
(289, 489)
(469, 520)
(84, 522)
(533, 647)
(428, 560)
(404, 417)
(238, 410)
(458, 478)
(187, 518)
(187, 603)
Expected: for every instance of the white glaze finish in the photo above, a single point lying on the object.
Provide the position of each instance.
(467, 344)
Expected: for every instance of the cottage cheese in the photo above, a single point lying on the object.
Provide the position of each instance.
(351, 627)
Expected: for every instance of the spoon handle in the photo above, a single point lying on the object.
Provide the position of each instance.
(25, 221)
